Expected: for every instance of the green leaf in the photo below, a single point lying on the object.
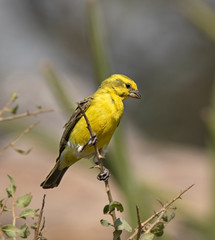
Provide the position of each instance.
(14, 109)
(6, 209)
(38, 106)
(157, 230)
(10, 230)
(11, 189)
(23, 151)
(121, 224)
(34, 226)
(106, 209)
(147, 236)
(24, 231)
(28, 212)
(116, 234)
(1, 202)
(112, 206)
(105, 223)
(171, 216)
(117, 205)
(24, 201)
(168, 217)
(13, 96)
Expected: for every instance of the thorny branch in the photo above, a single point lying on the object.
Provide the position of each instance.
(159, 214)
(101, 167)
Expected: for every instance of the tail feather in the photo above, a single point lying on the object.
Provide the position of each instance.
(54, 177)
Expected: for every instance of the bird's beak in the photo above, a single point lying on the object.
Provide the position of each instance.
(134, 94)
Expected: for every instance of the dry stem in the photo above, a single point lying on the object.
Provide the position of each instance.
(37, 228)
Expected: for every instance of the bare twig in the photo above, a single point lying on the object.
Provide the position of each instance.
(38, 231)
(25, 114)
(139, 223)
(12, 143)
(101, 167)
(159, 214)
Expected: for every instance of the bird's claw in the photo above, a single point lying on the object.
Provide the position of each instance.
(92, 140)
(104, 176)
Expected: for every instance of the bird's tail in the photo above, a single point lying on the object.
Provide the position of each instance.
(54, 177)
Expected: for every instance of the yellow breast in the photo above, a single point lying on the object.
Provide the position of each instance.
(104, 115)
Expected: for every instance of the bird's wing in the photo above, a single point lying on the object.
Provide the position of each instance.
(72, 122)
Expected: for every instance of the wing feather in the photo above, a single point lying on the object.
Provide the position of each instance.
(76, 116)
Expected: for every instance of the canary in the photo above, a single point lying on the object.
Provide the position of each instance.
(104, 110)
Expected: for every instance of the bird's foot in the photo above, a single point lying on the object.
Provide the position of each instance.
(92, 140)
(104, 176)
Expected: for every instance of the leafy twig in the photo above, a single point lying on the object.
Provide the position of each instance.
(12, 143)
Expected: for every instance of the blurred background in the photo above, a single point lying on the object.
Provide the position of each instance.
(55, 53)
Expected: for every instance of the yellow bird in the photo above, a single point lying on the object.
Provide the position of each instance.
(104, 110)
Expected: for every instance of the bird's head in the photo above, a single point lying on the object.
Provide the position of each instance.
(121, 85)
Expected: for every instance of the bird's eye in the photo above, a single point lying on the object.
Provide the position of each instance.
(128, 85)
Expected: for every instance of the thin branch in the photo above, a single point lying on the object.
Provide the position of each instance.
(139, 223)
(25, 114)
(99, 157)
(37, 228)
(13, 204)
(12, 143)
(159, 214)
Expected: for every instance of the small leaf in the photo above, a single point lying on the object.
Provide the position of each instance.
(10, 230)
(171, 216)
(147, 236)
(13, 96)
(106, 209)
(34, 226)
(14, 109)
(22, 151)
(24, 231)
(168, 217)
(105, 223)
(24, 201)
(38, 106)
(11, 189)
(1, 202)
(121, 224)
(112, 206)
(116, 234)
(28, 212)
(157, 230)
(117, 205)
(6, 209)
